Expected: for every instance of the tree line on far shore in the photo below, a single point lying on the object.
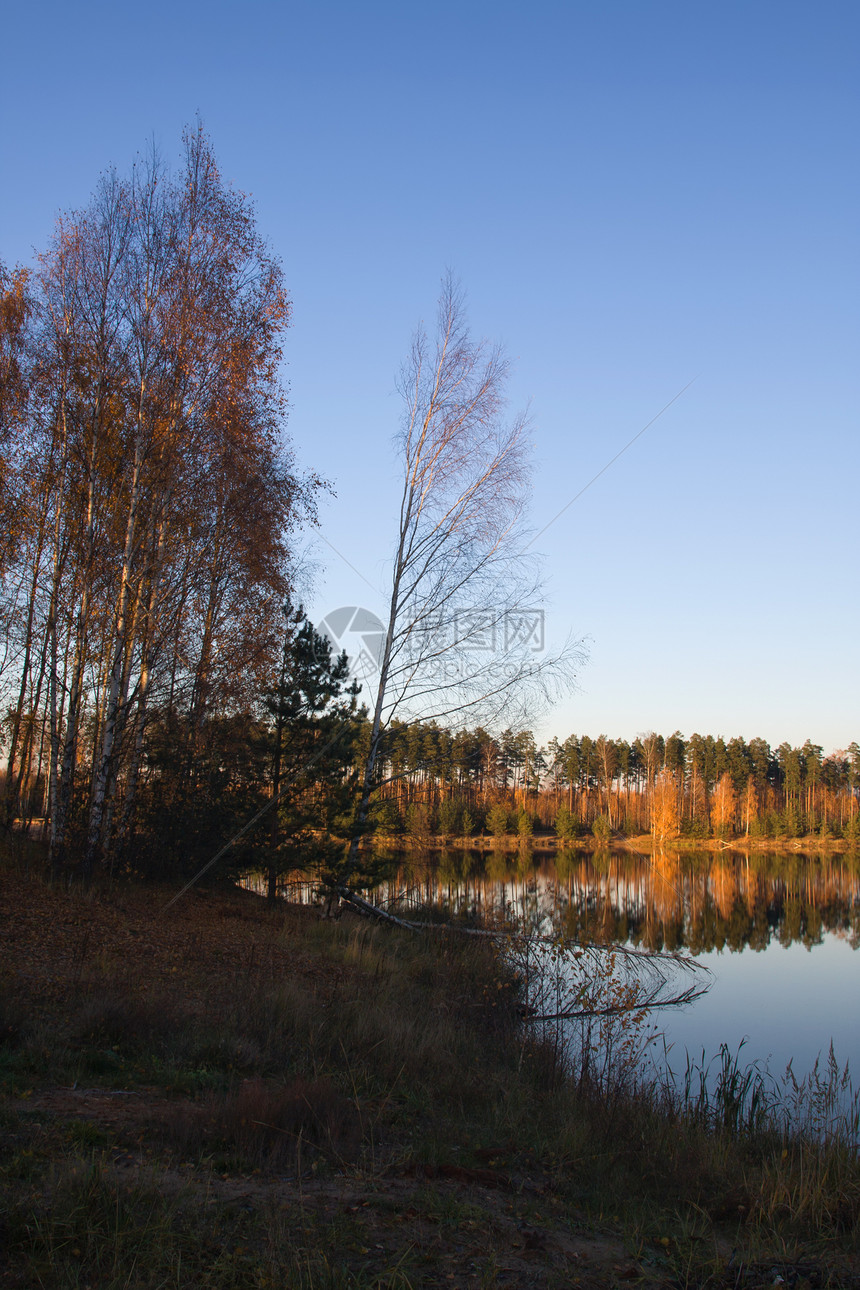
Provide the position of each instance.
(436, 785)
(443, 782)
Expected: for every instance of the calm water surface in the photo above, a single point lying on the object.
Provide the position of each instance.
(788, 1002)
(779, 933)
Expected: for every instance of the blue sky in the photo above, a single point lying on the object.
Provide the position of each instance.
(633, 195)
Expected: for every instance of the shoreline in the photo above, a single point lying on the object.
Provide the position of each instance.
(351, 1086)
(643, 844)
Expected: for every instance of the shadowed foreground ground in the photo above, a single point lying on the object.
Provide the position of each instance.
(225, 1095)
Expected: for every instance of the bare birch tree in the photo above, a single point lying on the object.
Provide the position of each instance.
(464, 598)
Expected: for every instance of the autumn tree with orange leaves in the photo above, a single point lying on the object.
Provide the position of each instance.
(156, 491)
(664, 807)
(723, 805)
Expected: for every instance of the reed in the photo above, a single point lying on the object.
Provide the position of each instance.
(259, 1098)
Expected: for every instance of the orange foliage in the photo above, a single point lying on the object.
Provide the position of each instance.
(664, 807)
(723, 805)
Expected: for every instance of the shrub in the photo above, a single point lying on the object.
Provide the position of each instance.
(497, 820)
(565, 824)
(601, 828)
(449, 816)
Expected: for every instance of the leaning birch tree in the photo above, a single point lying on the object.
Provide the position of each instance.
(464, 595)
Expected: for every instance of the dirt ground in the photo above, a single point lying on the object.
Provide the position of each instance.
(397, 1223)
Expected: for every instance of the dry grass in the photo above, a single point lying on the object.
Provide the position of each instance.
(265, 1126)
(223, 1045)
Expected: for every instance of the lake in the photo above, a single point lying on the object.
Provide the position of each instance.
(778, 932)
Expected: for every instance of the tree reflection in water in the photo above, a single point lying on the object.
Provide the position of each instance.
(669, 901)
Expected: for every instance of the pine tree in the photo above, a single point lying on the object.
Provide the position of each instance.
(314, 732)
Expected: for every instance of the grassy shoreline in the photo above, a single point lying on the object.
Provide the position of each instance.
(225, 1094)
(640, 843)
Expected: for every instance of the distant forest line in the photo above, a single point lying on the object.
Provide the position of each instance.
(448, 783)
(438, 784)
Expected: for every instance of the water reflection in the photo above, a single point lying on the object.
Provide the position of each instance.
(673, 900)
(752, 920)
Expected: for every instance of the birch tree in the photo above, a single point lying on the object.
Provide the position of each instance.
(664, 806)
(463, 592)
(154, 493)
(15, 308)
